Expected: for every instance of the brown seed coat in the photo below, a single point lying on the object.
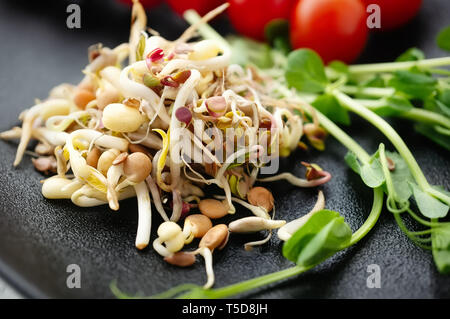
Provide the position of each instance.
(180, 259)
(120, 159)
(83, 97)
(200, 224)
(137, 167)
(107, 97)
(213, 208)
(216, 237)
(261, 197)
(93, 156)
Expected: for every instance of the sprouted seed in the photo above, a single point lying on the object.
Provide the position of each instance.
(181, 259)
(196, 226)
(261, 197)
(213, 208)
(216, 237)
(178, 117)
(286, 231)
(254, 224)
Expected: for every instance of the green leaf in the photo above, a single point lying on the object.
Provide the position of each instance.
(246, 51)
(428, 205)
(444, 97)
(413, 54)
(331, 239)
(324, 234)
(414, 84)
(440, 240)
(283, 45)
(442, 260)
(439, 103)
(339, 67)
(330, 107)
(443, 39)
(305, 71)
(435, 105)
(372, 174)
(393, 106)
(442, 108)
(401, 177)
(432, 134)
(277, 34)
(376, 81)
(441, 189)
(442, 102)
(352, 162)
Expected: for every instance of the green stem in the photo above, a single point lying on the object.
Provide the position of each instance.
(207, 32)
(387, 174)
(388, 131)
(258, 282)
(442, 130)
(395, 139)
(372, 219)
(422, 232)
(338, 83)
(425, 116)
(370, 91)
(402, 226)
(421, 220)
(415, 114)
(293, 271)
(397, 66)
(440, 71)
(342, 137)
(439, 195)
(364, 157)
(392, 193)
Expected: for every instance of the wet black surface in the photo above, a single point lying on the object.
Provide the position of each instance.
(40, 238)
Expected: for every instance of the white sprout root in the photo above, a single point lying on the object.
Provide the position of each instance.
(257, 211)
(254, 224)
(299, 182)
(156, 197)
(207, 255)
(179, 89)
(145, 215)
(113, 176)
(285, 232)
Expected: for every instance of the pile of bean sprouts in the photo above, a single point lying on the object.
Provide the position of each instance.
(117, 134)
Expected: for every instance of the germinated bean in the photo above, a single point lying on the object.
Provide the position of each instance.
(82, 97)
(180, 259)
(93, 157)
(106, 159)
(137, 167)
(216, 237)
(121, 118)
(261, 197)
(199, 224)
(213, 208)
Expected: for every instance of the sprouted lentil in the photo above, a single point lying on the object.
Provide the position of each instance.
(119, 132)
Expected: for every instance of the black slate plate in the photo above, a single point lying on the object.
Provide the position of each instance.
(40, 238)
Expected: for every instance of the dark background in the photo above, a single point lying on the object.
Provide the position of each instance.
(39, 238)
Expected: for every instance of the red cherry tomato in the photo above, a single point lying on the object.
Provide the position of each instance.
(201, 6)
(249, 17)
(335, 29)
(145, 3)
(396, 13)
